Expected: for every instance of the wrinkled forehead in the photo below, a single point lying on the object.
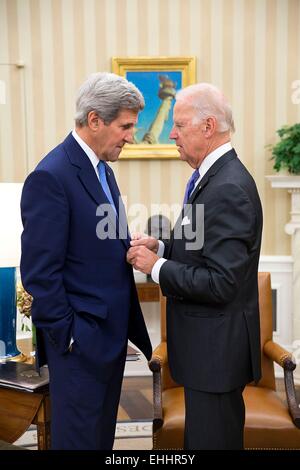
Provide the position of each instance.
(127, 116)
(183, 111)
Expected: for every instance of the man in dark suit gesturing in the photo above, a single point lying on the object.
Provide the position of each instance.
(208, 272)
(74, 245)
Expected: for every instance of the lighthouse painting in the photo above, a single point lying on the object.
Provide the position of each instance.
(159, 79)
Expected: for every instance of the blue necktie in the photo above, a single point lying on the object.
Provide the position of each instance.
(190, 185)
(104, 183)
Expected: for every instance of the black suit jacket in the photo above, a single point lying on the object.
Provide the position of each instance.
(212, 293)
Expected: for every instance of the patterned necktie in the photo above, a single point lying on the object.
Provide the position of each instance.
(190, 185)
(104, 183)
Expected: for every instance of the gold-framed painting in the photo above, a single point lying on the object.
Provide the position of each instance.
(158, 78)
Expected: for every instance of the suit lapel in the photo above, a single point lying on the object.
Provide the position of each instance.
(88, 178)
(211, 172)
(86, 172)
(186, 212)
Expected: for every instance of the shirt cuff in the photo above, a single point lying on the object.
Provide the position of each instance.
(161, 249)
(156, 269)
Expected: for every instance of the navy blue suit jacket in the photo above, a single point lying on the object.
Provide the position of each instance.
(82, 285)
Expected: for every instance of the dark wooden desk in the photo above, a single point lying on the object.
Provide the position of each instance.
(148, 291)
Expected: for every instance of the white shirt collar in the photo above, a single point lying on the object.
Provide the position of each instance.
(212, 157)
(87, 150)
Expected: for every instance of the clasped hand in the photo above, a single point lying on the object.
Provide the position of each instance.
(142, 254)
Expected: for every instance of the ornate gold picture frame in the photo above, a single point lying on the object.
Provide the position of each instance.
(158, 78)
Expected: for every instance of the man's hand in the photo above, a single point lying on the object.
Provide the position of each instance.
(142, 258)
(141, 239)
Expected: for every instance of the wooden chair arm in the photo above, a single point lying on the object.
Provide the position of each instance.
(279, 355)
(159, 358)
(285, 359)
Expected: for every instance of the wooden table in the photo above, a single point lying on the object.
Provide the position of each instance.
(20, 409)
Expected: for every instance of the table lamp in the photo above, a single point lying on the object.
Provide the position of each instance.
(10, 253)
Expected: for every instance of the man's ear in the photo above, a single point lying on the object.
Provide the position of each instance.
(94, 121)
(210, 126)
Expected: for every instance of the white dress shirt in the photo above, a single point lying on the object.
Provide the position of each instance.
(204, 167)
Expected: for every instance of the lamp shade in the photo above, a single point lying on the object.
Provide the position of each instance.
(10, 253)
(10, 224)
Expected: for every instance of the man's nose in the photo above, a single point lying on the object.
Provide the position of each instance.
(173, 134)
(129, 137)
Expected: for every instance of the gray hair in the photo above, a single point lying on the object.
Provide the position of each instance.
(208, 100)
(106, 94)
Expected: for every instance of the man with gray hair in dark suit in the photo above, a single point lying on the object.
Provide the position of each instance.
(85, 305)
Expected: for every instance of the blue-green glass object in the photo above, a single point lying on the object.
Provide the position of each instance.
(8, 313)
